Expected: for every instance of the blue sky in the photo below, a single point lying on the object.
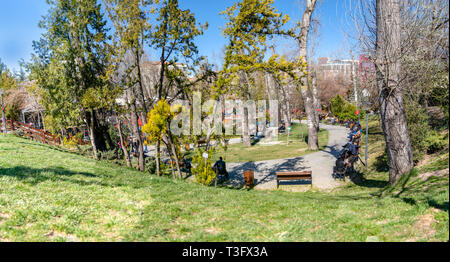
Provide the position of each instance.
(19, 27)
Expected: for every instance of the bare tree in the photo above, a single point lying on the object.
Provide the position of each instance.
(393, 116)
(307, 91)
(407, 42)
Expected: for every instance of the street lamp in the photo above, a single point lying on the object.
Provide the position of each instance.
(367, 106)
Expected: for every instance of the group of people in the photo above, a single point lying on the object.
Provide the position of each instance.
(132, 146)
(354, 145)
(350, 153)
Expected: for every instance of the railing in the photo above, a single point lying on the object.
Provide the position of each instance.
(32, 133)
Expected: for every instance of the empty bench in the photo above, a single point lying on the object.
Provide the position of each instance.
(291, 176)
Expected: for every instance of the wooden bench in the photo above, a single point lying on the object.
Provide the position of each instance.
(201, 143)
(290, 176)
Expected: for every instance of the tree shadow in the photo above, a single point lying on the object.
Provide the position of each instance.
(358, 179)
(46, 146)
(34, 176)
(443, 206)
(288, 165)
(254, 141)
(381, 163)
(269, 171)
(408, 200)
(335, 150)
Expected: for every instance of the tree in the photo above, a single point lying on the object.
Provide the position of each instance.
(250, 23)
(131, 24)
(173, 38)
(393, 116)
(70, 66)
(7, 79)
(330, 86)
(308, 90)
(407, 42)
(158, 130)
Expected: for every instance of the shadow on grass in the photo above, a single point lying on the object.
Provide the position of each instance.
(409, 200)
(254, 141)
(443, 206)
(381, 163)
(414, 192)
(358, 179)
(55, 148)
(34, 176)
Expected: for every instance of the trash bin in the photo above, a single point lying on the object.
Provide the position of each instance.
(249, 178)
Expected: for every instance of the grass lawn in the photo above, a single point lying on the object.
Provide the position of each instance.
(47, 194)
(237, 153)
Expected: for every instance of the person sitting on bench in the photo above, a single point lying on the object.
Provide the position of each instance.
(352, 153)
(220, 168)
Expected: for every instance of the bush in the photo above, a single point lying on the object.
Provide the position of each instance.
(12, 112)
(85, 150)
(344, 110)
(202, 169)
(70, 143)
(435, 142)
(108, 155)
(439, 94)
(419, 129)
(150, 165)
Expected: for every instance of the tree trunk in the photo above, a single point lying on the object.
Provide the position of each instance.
(174, 153)
(106, 137)
(276, 87)
(91, 127)
(122, 144)
(141, 89)
(307, 94)
(161, 76)
(392, 112)
(246, 86)
(316, 101)
(313, 138)
(286, 107)
(137, 132)
(245, 133)
(158, 158)
(267, 77)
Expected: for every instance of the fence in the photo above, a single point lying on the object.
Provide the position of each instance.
(33, 133)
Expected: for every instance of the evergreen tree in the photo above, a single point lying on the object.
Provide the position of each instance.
(131, 24)
(173, 38)
(70, 66)
(250, 24)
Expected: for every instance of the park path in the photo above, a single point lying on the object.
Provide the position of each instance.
(320, 163)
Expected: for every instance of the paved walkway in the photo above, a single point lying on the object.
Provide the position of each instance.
(320, 163)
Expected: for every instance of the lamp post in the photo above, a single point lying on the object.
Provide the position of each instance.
(367, 106)
(3, 113)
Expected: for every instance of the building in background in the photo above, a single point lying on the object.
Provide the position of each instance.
(334, 67)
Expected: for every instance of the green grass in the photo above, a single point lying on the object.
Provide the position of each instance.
(47, 194)
(237, 153)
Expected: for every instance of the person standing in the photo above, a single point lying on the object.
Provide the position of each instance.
(220, 168)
